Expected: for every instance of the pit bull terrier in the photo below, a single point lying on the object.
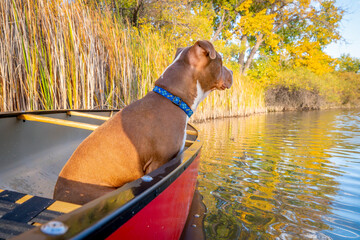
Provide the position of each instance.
(147, 133)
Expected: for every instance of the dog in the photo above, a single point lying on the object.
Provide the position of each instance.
(147, 133)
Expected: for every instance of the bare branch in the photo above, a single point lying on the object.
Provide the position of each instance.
(220, 28)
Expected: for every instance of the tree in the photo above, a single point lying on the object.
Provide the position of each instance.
(182, 21)
(127, 10)
(270, 24)
(348, 64)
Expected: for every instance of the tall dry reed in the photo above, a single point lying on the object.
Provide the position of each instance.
(55, 55)
(245, 97)
(60, 55)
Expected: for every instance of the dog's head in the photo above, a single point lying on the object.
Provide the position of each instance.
(206, 65)
(195, 72)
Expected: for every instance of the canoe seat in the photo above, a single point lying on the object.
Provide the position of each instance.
(20, 212)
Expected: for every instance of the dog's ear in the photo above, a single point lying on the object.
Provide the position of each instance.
(206, 48)
(178, 51)
(199, 53)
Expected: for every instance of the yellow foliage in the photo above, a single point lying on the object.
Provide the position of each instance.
(245, 6)
(310, 55)
(251, 24)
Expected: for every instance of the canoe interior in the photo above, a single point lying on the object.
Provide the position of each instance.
(33, 153)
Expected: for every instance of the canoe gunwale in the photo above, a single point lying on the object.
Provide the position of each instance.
(116, 219)
(42, 112)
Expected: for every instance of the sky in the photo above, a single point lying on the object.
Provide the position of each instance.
(349, 29)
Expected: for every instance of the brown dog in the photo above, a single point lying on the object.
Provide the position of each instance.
(147, 133)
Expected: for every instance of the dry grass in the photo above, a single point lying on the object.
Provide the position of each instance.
(56, 55)
(245, 97)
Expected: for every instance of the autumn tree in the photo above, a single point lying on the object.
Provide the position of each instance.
(181, 21)
(275, 24)
(348, 64)
(127, 10)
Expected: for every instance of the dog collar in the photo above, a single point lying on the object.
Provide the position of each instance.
(175, 99)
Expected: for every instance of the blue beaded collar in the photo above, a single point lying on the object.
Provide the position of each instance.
(176, 100)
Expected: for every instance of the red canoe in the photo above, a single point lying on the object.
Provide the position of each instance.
(33, 148)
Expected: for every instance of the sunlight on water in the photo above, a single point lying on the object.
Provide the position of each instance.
(282, 176)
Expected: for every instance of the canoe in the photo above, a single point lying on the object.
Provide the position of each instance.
(34, 146)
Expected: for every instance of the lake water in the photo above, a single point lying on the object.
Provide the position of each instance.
(293, 175)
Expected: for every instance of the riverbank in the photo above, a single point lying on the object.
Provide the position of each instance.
(266, 110)
(280, 99)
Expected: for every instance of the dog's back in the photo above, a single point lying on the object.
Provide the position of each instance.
(133, 142)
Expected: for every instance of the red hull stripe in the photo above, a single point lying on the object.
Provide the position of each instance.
(165, 216)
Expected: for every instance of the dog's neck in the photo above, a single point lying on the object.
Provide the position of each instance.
(174, 99)
(200, 96)
(179, 80)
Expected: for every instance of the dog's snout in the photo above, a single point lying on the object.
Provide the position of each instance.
(229, 78)
(230, 71)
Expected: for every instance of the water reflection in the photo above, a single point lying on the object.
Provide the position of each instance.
(283, 175)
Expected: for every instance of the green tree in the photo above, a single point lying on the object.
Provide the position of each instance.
(346, 63)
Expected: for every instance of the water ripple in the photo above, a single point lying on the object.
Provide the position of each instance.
(282, 176)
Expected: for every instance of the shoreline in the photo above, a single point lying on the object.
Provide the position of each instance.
(274, 111)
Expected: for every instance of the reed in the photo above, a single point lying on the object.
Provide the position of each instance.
(60, 55)
(245, 97)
